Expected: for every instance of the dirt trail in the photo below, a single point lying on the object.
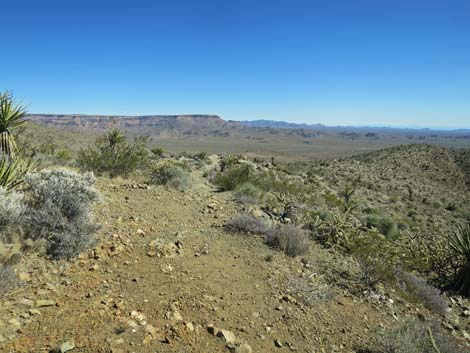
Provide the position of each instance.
(165, 270)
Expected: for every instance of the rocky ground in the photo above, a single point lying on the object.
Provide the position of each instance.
(166, 277)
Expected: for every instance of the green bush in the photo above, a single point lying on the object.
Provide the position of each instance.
(375, 255)
(247, 193)
(172, 175)
(114, 156)
(384, 225)
(231, 177)
(158, 151)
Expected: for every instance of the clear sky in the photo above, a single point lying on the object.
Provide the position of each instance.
(349, 62)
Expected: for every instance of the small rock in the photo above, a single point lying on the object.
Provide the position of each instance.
(211, 329)
(67, 346)
(227, 336)
(466, 335)
(278, 343)
(23, 276)
(27, 303)
(34, 312)
(189, 327)
(241, 348)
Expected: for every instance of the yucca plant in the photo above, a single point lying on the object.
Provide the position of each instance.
(459, 242)
(13, 172)
(113, 138)
(12, 115)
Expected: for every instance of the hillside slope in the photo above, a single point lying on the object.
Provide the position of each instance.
(166, 272)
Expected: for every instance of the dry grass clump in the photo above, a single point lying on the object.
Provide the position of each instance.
(8, 279)
(247, 224)
(416, 337)
(290, 239)
(422, 291)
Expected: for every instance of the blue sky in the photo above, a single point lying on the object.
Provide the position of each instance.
(371, 62)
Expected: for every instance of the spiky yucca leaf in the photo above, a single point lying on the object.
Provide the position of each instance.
(13, 172)
(12, 115)
(460, 241)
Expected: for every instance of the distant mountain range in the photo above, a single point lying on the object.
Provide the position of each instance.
(322, 127)
(213, 125)
(123, 122)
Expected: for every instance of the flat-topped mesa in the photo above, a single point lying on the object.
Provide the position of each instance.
(119, 121)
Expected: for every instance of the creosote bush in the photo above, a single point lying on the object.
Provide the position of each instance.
(384, 224)
(233, 175)
(290, 239)
(114, 155)
(247, 193)
(171, 174)
(375, 255)
(58, 208)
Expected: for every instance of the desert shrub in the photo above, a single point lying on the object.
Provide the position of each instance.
(231, 177)
(332, 200)
(59, 209)
(334, 228)
(202, 156)
(416, 337)
(272, 181)
(228, 162)
(384, 224)
(290, 239)
(170, 174)
(8, 279)
(247, 224)
(375, 255)
(419, 289)
(63, 155)
(247, 193)
(347, 194)
(11, 209)
(158, 151)
(460, 244)
(451, 207)
(113, 155)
